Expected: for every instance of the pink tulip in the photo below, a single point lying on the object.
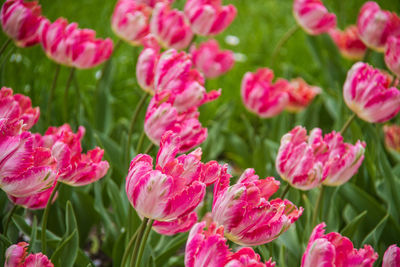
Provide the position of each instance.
(16, 112)
(210, 60)
(207, 247)
(170, 27)
(300, 94)
(376, 25)
(146, 64)
(153, 3)
(247, 257)
(367, 93)
(66, 44)
(130, 21)
(175, 187)
(180, 225)
(35, 201)
(349, 42)
(391, 257)
(332, 250)
(22, 21)
(17, 256)
(313, 16)
(209, 17)
(244, 209)
(309, 161)
(24, 169)
(392, 52)
(392, 137)
(262, 97)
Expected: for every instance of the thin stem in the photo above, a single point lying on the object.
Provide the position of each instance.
(132, 124)
(46, 215)
(317, 206)
(4, 46)
(143, 243)
(128, 249)
(287, 188)
(51, 96)
(140, 142)
(138, 240)
(149, 148)
(67, 85)
(10, 214)
(347, 124)
(283, 41)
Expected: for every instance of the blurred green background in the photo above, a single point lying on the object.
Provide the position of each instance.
(365, 209)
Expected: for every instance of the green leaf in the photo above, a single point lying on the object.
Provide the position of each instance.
(352, 226)
(171, 248)
(116, 203)
(33, 235)
(375, 234)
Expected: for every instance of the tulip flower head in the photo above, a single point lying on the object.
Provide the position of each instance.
(210, 60)
(335, 250)
(261, 96)
(17, 255)
(300, 94)
(349, 42)
(247, 257)
(130, 21)
(244, 209)
(22, 21)
(391, 257)
(170, 27)
(375, 25)
(209, 17)
(367, 93)
(392, 58)
(313, 16)
(392, 137)
(180, 225)
(153, 3)
(146, 64)
(16, 112)
(34, 201)
(306, 162)
(175, 187)
(66, 44)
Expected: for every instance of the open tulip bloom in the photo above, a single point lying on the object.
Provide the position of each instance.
(349, 42)
(17, 255)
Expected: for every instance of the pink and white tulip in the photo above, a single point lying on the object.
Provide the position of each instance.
(313, 16)
(367, 93)
(153, 3)
(261, 96)
(170, 27)
(392, 137)
(16, 112)
(131, 21)
(17, 256)
(247, 257)
(332, 250)
(392, 52)
(375, 25)
(176, 186)
(68, 45)
(180, 225)
(22, 21)
(306, 162)
(300, 94)
(146, 64)
(209, 17)
(210, 60)
(391, 257)
(34, 201)
(349, 43)
(244, 209)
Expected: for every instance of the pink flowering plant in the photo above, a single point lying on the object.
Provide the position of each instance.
(200, 133)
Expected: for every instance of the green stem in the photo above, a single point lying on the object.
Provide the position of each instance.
(347, 124)
(138, 240)
(132, 124)
(283, 41)
(128, 249)
(10, 214)
(143, 243)
(287, 188)
(67, 85)
(149, 148)
(46, 215)
(51, 96)
(317, 205)
(4, 46)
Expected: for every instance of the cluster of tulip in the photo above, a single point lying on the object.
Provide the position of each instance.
(167, 197)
